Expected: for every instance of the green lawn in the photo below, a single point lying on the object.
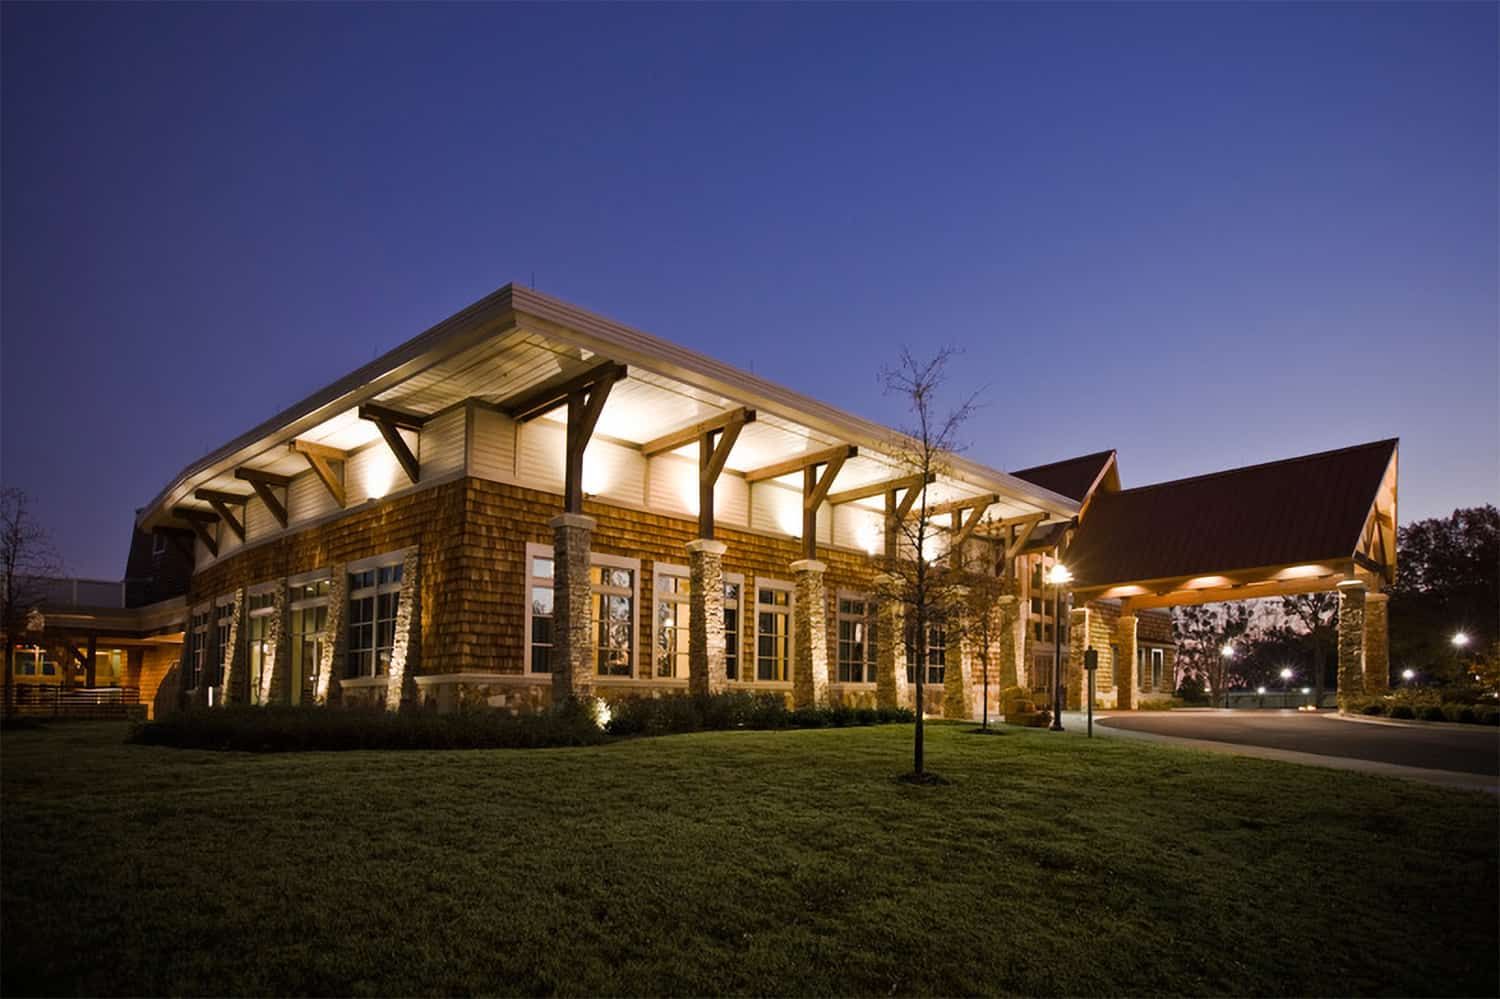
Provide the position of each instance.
(746, 862)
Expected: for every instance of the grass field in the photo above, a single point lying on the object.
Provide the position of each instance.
(745, 862)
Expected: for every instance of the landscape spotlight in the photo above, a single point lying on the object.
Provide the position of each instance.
(1408, 675)
(1460, 640)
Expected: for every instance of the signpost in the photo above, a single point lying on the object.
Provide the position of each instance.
(1091, 663)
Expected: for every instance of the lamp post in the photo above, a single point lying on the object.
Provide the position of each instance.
(1286, 680)
(1260, 693)
(1058, 576)
(1460, 640)
(1227, 652)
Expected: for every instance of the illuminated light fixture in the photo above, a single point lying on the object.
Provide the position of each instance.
(1306, 690)
(1301, 572)
(1408, 675)
(1227, 651)
(1205, 582)
(596, 475)
(379, 472)
(1260, 690)
(1286, 674)
(867, 536)
(1460, 640)
(1059, 574)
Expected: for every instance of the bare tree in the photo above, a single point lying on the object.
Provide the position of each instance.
(27, 560)
(982, 620)
(923, 448)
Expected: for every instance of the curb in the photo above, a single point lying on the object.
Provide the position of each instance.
(1406, 722)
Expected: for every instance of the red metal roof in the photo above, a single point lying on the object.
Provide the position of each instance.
(1289, 512)
(1072, 477)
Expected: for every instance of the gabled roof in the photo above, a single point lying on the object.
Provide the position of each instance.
(1292, 512)
(1074, 478)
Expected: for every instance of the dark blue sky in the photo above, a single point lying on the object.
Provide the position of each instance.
(1205, 235)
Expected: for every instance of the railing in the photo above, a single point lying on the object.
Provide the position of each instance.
(64, 594)
(75, 702)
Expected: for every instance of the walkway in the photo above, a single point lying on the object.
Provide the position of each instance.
(1459, 756)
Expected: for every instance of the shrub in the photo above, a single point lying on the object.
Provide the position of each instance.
(1433, 712)
(1488, 715)
(737, 709)
(1160, 703)
(1461, 713)
(1373, 708)
(288, 729)
(1403, 711)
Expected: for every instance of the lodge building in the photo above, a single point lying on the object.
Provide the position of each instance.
(529, 501)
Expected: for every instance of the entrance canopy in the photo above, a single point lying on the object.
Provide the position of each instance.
(1295, 526)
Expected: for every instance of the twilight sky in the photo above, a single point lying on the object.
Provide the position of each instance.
(1205, 235)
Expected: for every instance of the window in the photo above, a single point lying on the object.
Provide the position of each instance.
(309, 607)
(1142, 671)
(858, 632)
(612, 583)
(257, 624)
(158, 544)
(1158, 657)
(197, 648)
(374, 596)
(672, 613)
(733, 587)
(612, 590)
(27, 661)
(773, 631)
(937, 654)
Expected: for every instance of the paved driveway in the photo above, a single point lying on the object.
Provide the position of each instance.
(1463, 749)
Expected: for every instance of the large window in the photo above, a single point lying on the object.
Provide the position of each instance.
(257, 649)
(734, 587)
(672, 612)
(197, 648)
(612, 590)
(773, 630)
(309, 606)
(374, 596)
(673, 600)
(937, 654)
(857, 638)
(1158, 658)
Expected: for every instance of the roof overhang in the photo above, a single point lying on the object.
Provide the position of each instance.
(518, 338)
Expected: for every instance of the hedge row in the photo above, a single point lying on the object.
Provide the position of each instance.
(696, 713)
(1472, 714)
(301, 729)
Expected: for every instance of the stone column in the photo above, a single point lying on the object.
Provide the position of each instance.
(231, 658)
(706, 616)
(1075, 680)
(890, 652)
(958, 668)
(406, 646)
(1125, 679)
(810, 635)
(1351, 640)
(1377, 644)
(276, 659)
(335, 639)
(1011, 672)
(572, 607)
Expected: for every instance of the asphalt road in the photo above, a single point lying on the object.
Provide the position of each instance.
(1467, 749)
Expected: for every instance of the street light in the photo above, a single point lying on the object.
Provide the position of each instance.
(1408, 675)
(1058, 576)
(1460, 640)
(1286, 679)
(1261, 693)
(1228, 653)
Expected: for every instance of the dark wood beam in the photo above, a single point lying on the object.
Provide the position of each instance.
(960, 505)
(390, 424)
(687, 435)
(963, 528)
(842, 453)
(712, 454)
(1366, 562)
(879, 488)
(548, 396)
(815, 487)
(200, 521)
(322, 459)
(395, 417)
(221, 502)
(264, 484)
(896, 511)
(1021, 533)
(584, 406)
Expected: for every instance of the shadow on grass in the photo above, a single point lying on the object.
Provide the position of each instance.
(924, 779)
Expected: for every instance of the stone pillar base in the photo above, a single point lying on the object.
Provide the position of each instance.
(706, 653)
(572, 607)
(1377, 672)
(810, 635)
(1126, 698)
(1351, 640)
(401, 685)
(891, 688)
(1075, 679)
(1011, 673)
